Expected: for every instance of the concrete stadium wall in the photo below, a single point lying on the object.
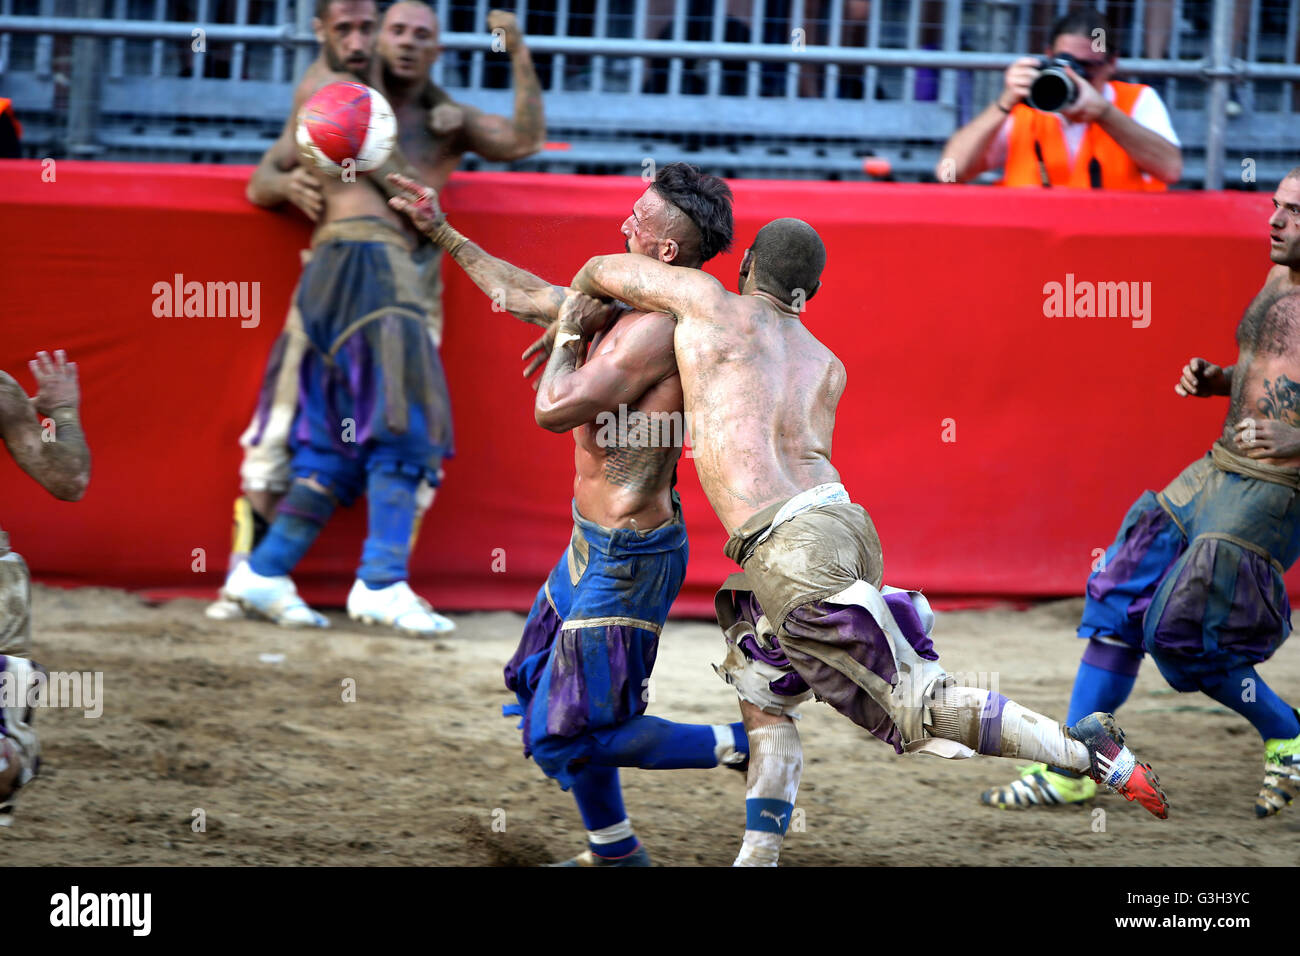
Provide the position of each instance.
(995, 446)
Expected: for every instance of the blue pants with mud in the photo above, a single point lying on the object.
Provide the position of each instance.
(582, 669)
(1195, 576)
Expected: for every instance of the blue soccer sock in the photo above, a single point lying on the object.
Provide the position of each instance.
(1244, 691)
(1106, 677)
(600, 801)
(653, 743)
(390, 505)
(298, 521)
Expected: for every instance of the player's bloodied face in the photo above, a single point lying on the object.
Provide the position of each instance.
(645, 230)
(347, 34)
(408, 40)
(1284, 225)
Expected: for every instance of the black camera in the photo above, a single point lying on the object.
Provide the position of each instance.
(1053, 89)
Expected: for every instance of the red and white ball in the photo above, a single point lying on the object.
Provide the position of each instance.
(346, 125)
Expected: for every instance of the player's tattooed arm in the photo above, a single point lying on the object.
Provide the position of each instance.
(495, 137)
(52, 449)
(612, 375)
(650, 285)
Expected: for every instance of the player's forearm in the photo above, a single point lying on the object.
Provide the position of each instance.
(1152, 152)
(268, 186)
(963, 154)
(515, 290)
(64, 465)
(530, 116)
(555, 408)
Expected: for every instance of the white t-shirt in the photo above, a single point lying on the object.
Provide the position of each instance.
(1148, 111)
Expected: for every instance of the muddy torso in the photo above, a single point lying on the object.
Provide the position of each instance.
(1266, 379)
(760, 394)
(624, 461)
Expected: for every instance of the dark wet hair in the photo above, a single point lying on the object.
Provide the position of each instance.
(705, 200)
(788, 255)
(1084, 23)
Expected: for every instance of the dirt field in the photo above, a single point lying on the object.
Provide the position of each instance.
(247, 723)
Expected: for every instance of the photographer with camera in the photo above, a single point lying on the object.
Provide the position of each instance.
(1062, 120)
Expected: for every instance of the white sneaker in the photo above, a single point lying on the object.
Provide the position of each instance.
(275, 599)
(398, 606)
(224, 609)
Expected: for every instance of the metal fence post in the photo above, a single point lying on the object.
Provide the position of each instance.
(84, 86)
(1001, 39)
(304, 11)
(1219, 73)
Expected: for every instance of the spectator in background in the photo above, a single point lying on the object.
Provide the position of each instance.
(1112, 136)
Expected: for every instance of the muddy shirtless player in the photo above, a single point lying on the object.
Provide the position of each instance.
(44, 436)
(434, 132)
(583, 665)
(809, 615)
(1195, 576)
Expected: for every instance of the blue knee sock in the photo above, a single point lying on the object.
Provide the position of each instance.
(1244, 691)
(1106, 677)
(390, 503)
(298, 521)
(653, 743)
(600, 801)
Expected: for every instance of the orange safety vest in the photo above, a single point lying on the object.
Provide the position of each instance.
(1118, 171)
(6, 106)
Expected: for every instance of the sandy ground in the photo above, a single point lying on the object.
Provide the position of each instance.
(421, 769)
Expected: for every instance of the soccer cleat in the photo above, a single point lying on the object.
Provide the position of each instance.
(1281, 776)
(1114, 766)
(638, 857)
(224, 609)
(399, 607)
(1040, 787)
(274, 598)
(741, 766)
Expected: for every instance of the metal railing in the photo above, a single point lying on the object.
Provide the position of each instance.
(746, 86)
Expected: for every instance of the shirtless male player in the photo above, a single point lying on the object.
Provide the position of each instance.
(434, 132)
(809, 616)
(52, 449)
(589, 644)
(1195, 576)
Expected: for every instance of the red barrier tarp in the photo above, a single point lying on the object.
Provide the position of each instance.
(996, 446)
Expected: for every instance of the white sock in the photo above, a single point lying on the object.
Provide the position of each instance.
(775, 765)
(960, 714)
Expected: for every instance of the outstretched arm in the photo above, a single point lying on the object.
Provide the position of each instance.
(650, 285)
(495, 137)
(516, 290)
(57, 459)
(569, 396)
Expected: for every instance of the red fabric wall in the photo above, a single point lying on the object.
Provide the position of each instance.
(933, 297)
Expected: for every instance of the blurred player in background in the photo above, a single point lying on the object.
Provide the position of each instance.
(582, 669)
(52, 449)
(434, 132)
(809, 614)
(1195, 576)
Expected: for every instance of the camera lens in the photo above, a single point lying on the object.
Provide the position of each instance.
(1051, 91)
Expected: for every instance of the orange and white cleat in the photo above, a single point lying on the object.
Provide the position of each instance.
(1115, 767)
